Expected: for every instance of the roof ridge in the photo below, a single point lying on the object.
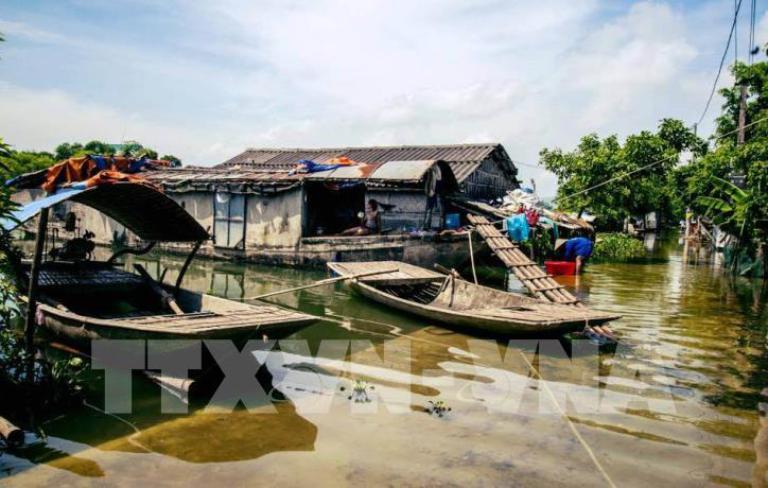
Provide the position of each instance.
(349, 148)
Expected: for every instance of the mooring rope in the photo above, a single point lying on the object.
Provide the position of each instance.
(136, 431)
(570, 423)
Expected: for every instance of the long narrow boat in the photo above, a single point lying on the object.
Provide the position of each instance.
(83, 300)
(91, 300)
(455, 302)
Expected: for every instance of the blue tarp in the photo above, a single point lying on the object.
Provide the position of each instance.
(31, 209)
(313, 167)
(517, 228)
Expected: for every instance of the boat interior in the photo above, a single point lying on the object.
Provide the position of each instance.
(456, 294)
(428, 287)
(107, 291)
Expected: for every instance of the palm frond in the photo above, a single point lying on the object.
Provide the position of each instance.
(713, 203)
(732, 191)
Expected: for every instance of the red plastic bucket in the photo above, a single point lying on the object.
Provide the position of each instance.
(560, 267)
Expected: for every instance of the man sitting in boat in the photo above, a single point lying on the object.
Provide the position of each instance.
(370, 221)
(577, 249)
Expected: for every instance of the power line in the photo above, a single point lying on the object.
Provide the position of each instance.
(530, 165)
(650, 165)
(722, 61)
(737, 8)
(752, 18)
(735, 33)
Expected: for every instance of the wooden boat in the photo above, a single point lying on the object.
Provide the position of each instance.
(459, 303)
(82, 300)
(87, 301)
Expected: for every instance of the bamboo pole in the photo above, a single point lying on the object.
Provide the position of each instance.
(34, 275)
(167, 299)
(321, 283)
(472, 256)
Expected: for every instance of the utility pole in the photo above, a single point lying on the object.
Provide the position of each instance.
(742, 114)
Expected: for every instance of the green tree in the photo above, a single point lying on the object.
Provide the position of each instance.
(100, 148)
(20, 162)
(175, 162)
(66, 150)
(729, 159)
(585, 174)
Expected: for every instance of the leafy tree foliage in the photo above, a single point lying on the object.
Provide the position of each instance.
(175, 162)
(584, 174)
(20, 162)
(744, 212)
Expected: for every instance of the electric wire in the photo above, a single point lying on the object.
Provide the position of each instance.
(722, 62)
(650, 165)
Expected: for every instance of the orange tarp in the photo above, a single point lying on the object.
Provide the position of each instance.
(341, 160)
(96, 170)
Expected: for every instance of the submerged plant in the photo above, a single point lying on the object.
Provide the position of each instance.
(618, 247)
(360, 391)
(438, 407)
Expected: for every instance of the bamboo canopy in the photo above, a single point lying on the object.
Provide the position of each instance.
(539, 283)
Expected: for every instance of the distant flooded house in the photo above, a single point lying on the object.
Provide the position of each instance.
(257, 206)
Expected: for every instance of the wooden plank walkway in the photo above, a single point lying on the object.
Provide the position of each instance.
(539, 283)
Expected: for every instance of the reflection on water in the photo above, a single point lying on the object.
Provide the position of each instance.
(676, 404)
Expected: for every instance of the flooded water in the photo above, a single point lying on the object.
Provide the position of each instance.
(676, 404)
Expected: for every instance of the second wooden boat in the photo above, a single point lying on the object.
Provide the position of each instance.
(459, 303)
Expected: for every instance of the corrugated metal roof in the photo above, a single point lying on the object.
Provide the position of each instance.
(243, 180)
(178, 175)
(353, 172)
(463, 158)
(462, 169)
(402, 170)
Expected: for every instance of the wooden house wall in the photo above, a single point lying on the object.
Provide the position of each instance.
(274, 221)
(488, 181)
(199, 204)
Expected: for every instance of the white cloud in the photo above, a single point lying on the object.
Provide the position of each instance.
(331, 72)
(39, 120)
(22, 30)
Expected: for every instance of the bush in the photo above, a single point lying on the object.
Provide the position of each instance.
(618, 247)
(55, 384)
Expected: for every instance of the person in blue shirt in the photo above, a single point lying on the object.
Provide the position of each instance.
(578, 249)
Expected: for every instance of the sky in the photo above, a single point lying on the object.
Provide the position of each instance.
(204, 80)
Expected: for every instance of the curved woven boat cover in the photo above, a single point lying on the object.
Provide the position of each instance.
(148, 213)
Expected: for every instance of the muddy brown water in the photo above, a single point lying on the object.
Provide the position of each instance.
(677, 403)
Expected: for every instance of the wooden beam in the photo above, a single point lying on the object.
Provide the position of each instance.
(167, 299)
(186, 264)
(29, 326)
(326, 282)
(135, 252)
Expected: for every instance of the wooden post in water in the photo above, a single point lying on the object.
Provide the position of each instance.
(184, 267)
(29, 326)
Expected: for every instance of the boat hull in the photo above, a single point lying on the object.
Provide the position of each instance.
(236, 321)
(467, 321)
